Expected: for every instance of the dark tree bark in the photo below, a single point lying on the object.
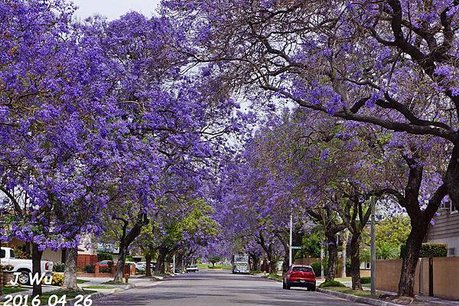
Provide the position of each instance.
(269, 250)
(36, 268)
(70, 276)
(332, 255)
(355, 262)
(452, 177)
(283, 240)
(148, 264)
(160, 267)
(420, 220)
(328, 218)
(254, 261)
(411, 257)
(127, 237)
(356, 216)
(1, 276)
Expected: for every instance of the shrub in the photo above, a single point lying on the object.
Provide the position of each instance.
(104, 256)
(365, 280)
(59, 267)
(429, 250)
(316, 266)
(89, 269)
(58, 279)
(105, 270)
(332, 283)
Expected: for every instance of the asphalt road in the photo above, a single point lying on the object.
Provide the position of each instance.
(219, 288)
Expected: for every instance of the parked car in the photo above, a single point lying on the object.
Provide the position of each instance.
(106, 264)
(192, 268)
(24, 266)
(299, 276)
(141, 266)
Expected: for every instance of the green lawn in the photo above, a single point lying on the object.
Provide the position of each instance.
(10, 290)
(346, 290)
(82, 281)
(98, 287)
(275, 277)
(114, 283)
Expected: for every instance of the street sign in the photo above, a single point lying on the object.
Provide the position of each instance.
(296, 247)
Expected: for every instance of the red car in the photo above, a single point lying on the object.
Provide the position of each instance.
(105, 264)
(299, 276)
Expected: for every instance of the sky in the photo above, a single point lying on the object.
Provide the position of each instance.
(113, 9)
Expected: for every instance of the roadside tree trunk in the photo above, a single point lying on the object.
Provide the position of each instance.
(70, 273)
(355, 262)
(254, 261)
(126, 239)
(345, 239)
(420, 220)
(36, 268)
(411, 258)
(160, 266)
(148, 264)
(332, 256)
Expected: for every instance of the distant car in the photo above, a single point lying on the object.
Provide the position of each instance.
(141, 266)
(299, 276)
(107, 264)
(192, 268)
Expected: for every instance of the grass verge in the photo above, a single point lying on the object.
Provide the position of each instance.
(275, 277)
(346, 290)
(10, 290)
(113, 283)
(82, 281)
(98, 287)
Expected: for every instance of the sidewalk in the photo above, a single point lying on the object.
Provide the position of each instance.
(418, 301)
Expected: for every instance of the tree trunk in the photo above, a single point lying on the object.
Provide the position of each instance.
(160, 267)
(119, 274)
(332, 257)
(410, 259)
(322, 257)
(355, 262)
(272, 266)
(452, 177)
(255, 260)
(70, 273)
(36, 268)
(148, 264)
(127, 238)
(345, 239)
(1, 273)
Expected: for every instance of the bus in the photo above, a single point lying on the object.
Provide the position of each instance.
(240, 263)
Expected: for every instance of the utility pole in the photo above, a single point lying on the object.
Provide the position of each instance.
(290, 255)
(373, 247)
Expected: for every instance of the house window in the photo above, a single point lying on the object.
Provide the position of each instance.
(447, 207)
(451, 251)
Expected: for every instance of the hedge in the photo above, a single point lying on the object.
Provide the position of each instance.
(331, 283)
(104, 256)
(316, 267)
(365, 280)
(429, 250)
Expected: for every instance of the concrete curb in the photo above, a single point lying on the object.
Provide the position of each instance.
(357, 299)
(99, 295)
